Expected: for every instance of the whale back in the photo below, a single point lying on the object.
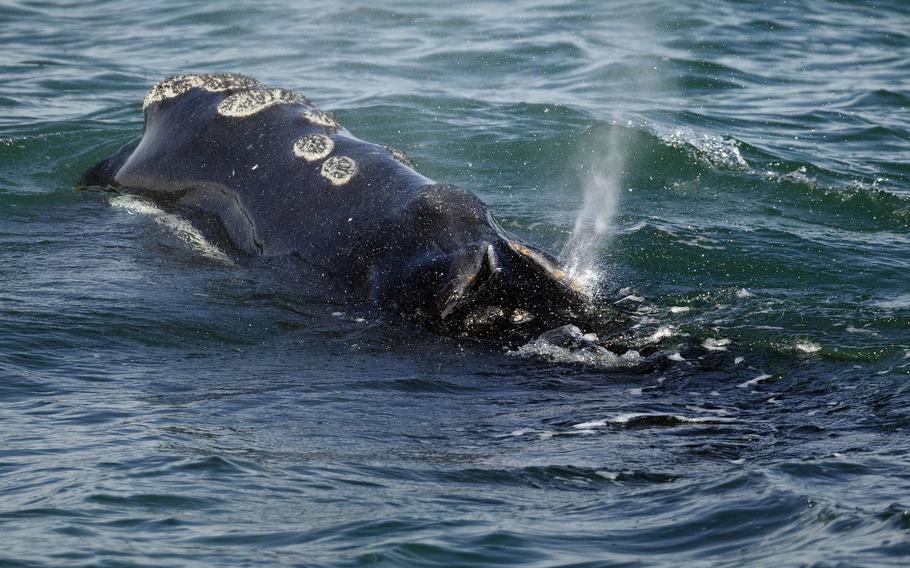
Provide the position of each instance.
(281, 179)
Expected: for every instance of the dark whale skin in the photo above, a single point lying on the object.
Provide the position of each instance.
(387, 236)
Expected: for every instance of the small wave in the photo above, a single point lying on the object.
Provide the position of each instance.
(879, 199)
(712, 344)
(661, 333)
(713, 150)
(642, 419)
(899, 302)
(135, 205)
(759, 380)
(798, 176)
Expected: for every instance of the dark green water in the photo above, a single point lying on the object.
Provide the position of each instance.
(159, 407)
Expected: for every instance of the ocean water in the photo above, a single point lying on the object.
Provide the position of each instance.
(739, 176)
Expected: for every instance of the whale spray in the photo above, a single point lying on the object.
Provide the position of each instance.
(602, 179)
(605, 157)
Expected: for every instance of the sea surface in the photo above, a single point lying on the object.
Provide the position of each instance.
(739, 173)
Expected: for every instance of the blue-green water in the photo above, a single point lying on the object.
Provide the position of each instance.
(159, 407)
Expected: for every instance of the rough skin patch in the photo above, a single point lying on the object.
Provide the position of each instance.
(400, 156)
(321, 118)
(313, 147)
(180, 84)
(248, 103)
(339, 170)
(520, 316)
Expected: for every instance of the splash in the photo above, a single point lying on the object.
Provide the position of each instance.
(601, 184)
(569, 345)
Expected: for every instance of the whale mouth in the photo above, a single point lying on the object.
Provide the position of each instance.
(509, 286)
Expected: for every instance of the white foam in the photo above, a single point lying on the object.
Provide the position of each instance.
(611, 475)
(851, 329)
(626, 418)
(135, 205)
(676, 357)
(584, 279)
(714, 150)
(898, 302)
(702, 242)
(808, 347)
(712, 344)
(679, 309)
(515, 433)
(590, 355)
(757, 380)
(798, 175)
(662, 332)
(590, 425)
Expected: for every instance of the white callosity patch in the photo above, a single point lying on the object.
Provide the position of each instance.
(313, 147)
(248, 103)
(321, 118)
(180, 84)
(400, 156)
(339, 169)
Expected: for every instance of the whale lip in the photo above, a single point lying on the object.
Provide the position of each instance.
(466, 285)
(508, 287)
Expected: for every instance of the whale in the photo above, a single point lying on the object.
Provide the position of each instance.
(264, 173)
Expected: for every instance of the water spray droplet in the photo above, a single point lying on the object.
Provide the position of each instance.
(601, 186)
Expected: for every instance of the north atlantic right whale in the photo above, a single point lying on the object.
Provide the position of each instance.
(263, 173)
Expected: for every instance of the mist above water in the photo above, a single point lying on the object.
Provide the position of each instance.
(601, 184)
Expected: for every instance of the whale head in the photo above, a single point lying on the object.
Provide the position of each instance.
(465, 275)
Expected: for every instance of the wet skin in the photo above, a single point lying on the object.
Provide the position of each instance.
(379, 231)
